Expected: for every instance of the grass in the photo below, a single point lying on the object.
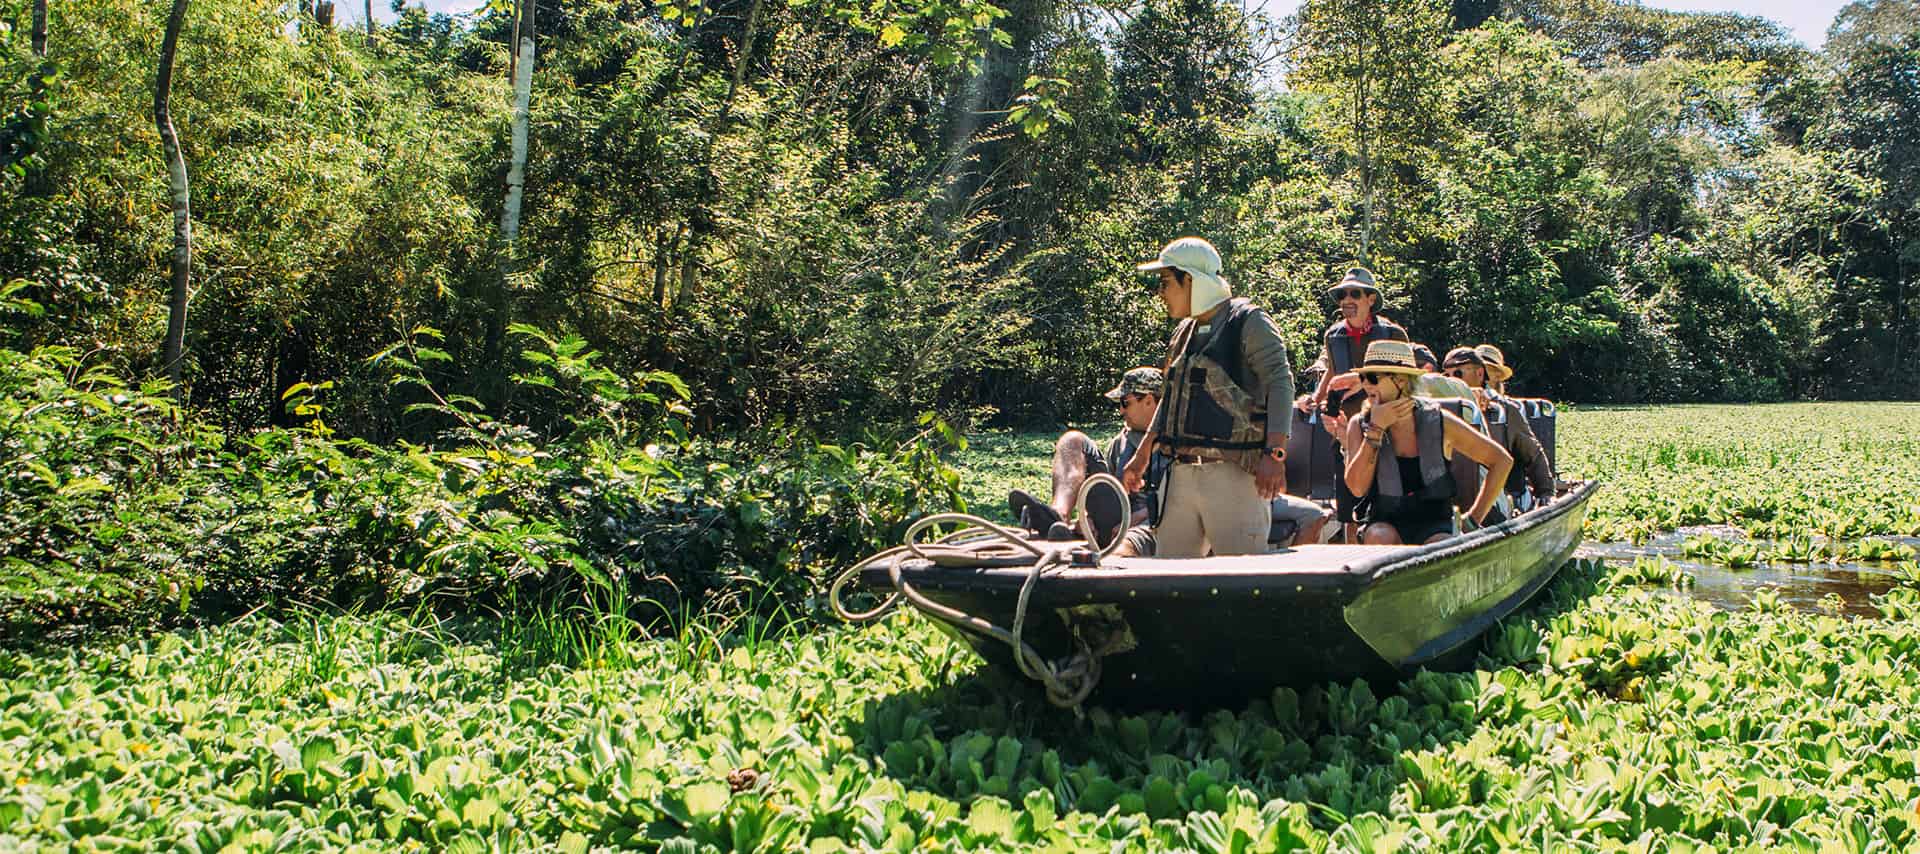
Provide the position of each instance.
(1608, 717)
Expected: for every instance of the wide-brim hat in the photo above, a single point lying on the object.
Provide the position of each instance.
(1390, 357)
(1357, 277)
(1495, 362)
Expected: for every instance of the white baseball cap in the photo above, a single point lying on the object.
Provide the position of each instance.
(1197, 258)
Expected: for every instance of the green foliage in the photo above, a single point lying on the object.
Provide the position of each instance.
(118, 510)
(1782, 473)
(1608, 718)
(829, 214)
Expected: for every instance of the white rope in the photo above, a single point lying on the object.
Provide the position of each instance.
(1067, 684)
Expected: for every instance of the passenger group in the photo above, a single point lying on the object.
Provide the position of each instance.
(1422, 445)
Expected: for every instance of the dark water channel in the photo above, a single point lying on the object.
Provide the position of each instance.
(1803, 586)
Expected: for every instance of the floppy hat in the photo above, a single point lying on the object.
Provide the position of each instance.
(1359, 277)
(1197, 258)
(1142, 380)
(1495, 361)
(1390, 357)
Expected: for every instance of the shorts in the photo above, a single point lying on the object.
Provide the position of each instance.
(1139, 539)
(1415, 530)
(1300, 511)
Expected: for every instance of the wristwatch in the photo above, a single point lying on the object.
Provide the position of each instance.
(1275, 454)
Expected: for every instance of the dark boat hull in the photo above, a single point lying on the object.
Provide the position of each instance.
(1219, 631)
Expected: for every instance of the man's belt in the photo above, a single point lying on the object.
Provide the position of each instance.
(1196, 459)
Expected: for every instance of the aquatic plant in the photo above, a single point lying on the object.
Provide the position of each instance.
(1776, 472)
(1609, 718)
(1656, 572)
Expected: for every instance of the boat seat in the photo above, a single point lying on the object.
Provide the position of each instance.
(1543, 417)
(1312, 465)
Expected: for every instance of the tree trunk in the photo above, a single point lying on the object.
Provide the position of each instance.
(369, 22)
(36, 181)
(700, 221)
(522, 100)
(181, 261)
(1363, 128)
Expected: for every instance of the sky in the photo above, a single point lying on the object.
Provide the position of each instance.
(1807, 19)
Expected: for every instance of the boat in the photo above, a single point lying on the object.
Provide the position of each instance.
(1133, 632)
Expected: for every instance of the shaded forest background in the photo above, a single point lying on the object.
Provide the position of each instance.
(819, 212)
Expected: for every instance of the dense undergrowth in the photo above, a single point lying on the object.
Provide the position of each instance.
(117, 510)
(1607, 718)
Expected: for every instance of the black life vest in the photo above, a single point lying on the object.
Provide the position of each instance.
(1507, 418)
(1210, 401)
(1338, 341)
(1389, 497)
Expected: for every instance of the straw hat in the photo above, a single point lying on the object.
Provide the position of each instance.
(1390, 357)
(1495, 362)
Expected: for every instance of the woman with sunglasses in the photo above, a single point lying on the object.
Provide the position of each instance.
(1398, 451)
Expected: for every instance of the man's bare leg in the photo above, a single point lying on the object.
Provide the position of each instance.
(1070, 455)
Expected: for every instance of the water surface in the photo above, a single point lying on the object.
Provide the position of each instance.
(1805, 586)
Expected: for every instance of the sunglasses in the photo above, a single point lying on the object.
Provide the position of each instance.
(1457, 373)
(1131, 398)
(1370, 379)
(1348, 293)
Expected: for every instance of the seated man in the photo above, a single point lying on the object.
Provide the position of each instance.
(1075, 457)
(1532, 469)
(1398, 450)
(1434, 383)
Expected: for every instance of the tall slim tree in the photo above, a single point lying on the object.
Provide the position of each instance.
(1378, 64)
(369, 21)
(36, 183)
(522, 100)
(181, 262)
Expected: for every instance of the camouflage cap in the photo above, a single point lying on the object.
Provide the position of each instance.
(1145, 379)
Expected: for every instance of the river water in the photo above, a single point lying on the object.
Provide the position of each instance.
(1805, 586)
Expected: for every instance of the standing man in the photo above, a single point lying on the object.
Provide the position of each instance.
(1344, 347)
(1344, 344)
(1223, 418)
(1506, 424)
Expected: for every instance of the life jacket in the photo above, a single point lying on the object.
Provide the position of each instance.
(1209, 401)
(1389, 496)
(1338, 341)
(1505, 418)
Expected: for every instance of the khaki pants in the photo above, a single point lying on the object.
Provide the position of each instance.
(1211, 507)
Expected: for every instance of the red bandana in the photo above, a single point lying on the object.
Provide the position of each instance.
(1360, 331)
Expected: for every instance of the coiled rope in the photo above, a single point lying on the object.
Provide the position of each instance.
(1068, 682)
